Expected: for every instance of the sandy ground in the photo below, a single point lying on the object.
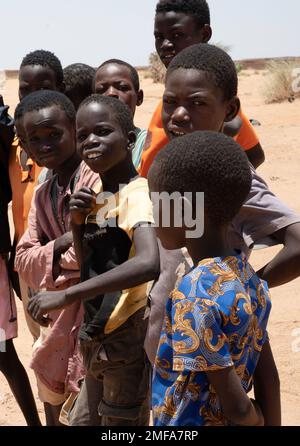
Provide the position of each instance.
(279, 134)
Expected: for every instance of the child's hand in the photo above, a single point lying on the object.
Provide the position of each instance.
(40, 305)
(81, 205)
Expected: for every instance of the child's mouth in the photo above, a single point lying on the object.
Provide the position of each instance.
(92, 156)
(176, 133)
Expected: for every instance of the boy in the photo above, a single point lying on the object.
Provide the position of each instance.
(214, 341)
(45, 258)
(201, 88)
(78, 84)
(178, 25)
(39, 70)
(118, 257)
(10, 364)
(78, 80)
(120, 80)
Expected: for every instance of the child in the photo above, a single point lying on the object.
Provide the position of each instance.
(120, 80)
(78, 84)
(10, 364)
(178, 25)
(45, 258)
(39, 70)
(204, 101)
(78, 80)
(214, 340)
(118, 257)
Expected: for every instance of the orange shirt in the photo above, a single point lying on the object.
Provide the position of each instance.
(23, 181)
(247, 137)
(157, 139)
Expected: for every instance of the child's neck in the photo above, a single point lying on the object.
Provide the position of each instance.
(66, 170)
(122, 173)
(212, 244)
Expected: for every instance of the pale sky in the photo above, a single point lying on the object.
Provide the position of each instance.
(92, 31)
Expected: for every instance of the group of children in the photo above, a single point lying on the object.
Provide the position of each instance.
(128, 314)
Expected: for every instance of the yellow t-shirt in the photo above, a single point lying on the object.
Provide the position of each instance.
(131, 206)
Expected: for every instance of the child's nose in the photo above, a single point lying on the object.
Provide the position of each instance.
(112, 92)
(91, 140)
(167, 44)
(181, 115)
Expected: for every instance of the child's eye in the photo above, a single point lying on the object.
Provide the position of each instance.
(198, 102)
(158, 37)
(178, 35)
(168, 100)
(103, 132)
(33, 139)
(100, 89)
(55, 135)
(81, 138)
(124, 87)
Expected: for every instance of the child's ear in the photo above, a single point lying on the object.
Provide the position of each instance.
(206, 32)
(140, 98)
(233, 108)
(131, 139)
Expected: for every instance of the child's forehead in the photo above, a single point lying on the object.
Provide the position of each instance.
(173, 18)
(29, 72)
(50, 115)
(113, 69)
(193, 77)
(100, 112)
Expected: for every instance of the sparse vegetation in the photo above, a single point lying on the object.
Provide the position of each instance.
(157, 71)
(239, 67)
(280, 83)
(2, 79)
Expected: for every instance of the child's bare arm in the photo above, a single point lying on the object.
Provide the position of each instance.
(142, 268)
(256, 155)
(81, 205)
(267, 387)
(286, 265)
(237, 406)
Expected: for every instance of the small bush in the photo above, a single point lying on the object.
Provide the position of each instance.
(239, 67)
(2, 79)
(280, 85)
(157, 69)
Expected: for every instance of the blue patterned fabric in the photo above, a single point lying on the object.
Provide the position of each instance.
(215, 319)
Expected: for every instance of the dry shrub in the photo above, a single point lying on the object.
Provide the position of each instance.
(2, 79)
(157, 69)
(280, 85)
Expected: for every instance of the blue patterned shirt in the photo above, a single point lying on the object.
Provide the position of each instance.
(215, 319)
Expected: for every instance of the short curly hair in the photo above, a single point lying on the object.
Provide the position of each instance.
(78, 79)
(197, 9)
(206, 162)
(41, 99)
(120, 111)
(45, 59)
(212, 60)
(133, 72)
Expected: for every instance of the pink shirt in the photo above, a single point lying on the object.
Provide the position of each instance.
(56, 359)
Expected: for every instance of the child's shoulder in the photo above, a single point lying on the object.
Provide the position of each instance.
(216, 281)
(138, 187)
(138, 183)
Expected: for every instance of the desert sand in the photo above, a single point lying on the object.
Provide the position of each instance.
(280, 138)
